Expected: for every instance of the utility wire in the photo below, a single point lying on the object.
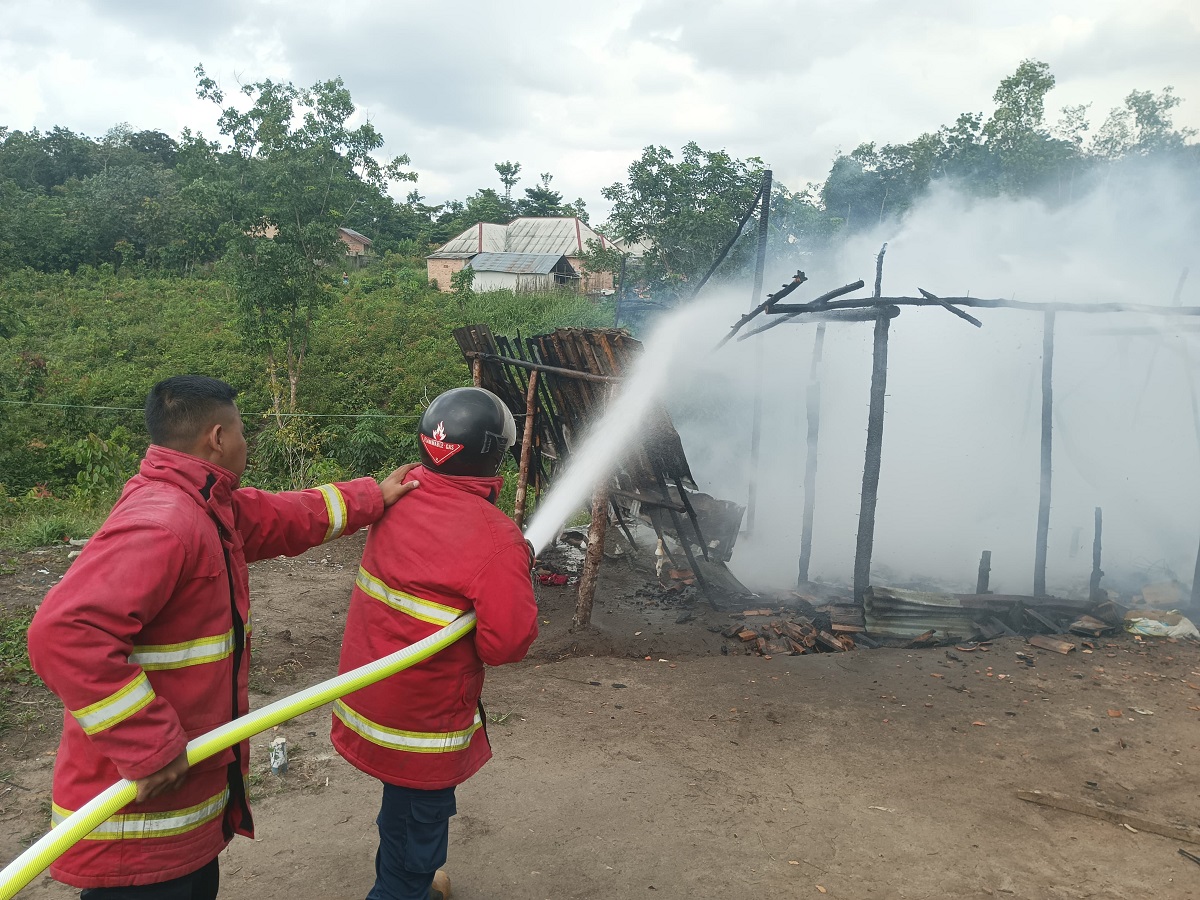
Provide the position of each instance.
(139, 409)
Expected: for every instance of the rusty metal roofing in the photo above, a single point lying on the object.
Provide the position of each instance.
(530, 234)
(517, 263)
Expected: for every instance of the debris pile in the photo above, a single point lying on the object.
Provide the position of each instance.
(832, 628)
(896, 613)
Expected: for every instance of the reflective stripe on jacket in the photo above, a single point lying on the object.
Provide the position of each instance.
(140, 640)
(450, 551)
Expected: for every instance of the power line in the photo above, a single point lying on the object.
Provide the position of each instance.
(139, 409)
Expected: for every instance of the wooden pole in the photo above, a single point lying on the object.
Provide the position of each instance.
(813, 405)
(620, 292)
(756, 409)
(985, 573)
(1043, 521)
(874, 457)
(1097, 573)
(595, 553)
(526, 450)
(477, 371)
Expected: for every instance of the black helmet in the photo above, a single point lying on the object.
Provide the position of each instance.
(466, 431)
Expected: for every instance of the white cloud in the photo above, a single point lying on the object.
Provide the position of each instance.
(579, 90)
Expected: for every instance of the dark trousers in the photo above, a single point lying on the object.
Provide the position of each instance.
(200, 885)
(414, 829)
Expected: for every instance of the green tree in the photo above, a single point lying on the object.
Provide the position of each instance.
(300, 172)
(509, 173)
(541, 200)
(686, 210)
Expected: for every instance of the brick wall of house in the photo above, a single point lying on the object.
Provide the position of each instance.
(440, 271)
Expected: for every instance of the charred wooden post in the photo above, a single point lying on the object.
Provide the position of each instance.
(591, 561)
(477, 371)
(1043, 521)
(620, 291)
(729, 246)
(526, 450)
(1094, 591)
(1196, 584)
(874, 457)
(756, 410)
(813, 404)
(985, 573)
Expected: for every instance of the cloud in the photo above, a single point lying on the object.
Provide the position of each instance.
(579, 90)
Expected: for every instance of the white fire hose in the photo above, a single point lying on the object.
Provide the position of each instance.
(84, 821)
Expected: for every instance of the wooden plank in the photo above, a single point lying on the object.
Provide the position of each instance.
(825, 639)
(1111, 814)
(1048, 643)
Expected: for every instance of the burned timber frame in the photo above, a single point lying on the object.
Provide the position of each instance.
(880, 310)
(556, 386)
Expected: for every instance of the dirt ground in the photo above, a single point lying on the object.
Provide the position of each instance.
(636, 760)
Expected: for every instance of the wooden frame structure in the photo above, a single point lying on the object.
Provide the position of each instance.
(881, 310)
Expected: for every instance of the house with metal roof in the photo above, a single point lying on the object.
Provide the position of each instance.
(560, 237)
(357, 245)
(520, 272)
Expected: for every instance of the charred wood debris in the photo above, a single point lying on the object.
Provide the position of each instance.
(556, 385)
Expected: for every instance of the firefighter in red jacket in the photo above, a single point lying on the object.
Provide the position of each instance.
(423, 731)
(147, 638)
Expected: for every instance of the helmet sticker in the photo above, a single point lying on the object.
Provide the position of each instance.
(437, 447)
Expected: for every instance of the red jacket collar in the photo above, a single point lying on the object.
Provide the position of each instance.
(210, 485)
(488, 488)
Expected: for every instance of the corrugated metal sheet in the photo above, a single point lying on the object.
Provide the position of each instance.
(358, 237)
(893, 612)
(482, 237)
(557, 235)
(517, 263)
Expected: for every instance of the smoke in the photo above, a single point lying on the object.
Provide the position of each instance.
(960, 467)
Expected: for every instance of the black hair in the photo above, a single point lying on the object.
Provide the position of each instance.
(179, 408)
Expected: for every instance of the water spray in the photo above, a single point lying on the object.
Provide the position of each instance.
(592, 462)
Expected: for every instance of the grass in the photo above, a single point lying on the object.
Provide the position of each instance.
(14, 658)
(47, 522)
(18, 708)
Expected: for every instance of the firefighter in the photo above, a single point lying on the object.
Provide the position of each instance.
(147, 641)
(423, 731)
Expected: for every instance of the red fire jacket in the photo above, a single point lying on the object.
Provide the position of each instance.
(450, 552)
(146, 641)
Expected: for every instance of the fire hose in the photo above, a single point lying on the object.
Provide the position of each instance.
(87, 818)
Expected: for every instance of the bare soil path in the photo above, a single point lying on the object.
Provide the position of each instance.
(886, 773)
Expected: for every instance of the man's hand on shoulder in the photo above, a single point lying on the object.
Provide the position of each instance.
(393, 486)
(169, 778)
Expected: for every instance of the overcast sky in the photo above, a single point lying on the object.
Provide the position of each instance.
(578, 89)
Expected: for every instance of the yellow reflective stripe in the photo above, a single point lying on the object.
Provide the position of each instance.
(116, 707)
(335, 506)
(411, 741)
(425, 610)
(151, 825)
(155, 657)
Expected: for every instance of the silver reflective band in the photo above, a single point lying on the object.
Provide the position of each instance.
(152, 825)
(188, 653)
(412, 741)
(335, 506)
(116, 707)
(425, 610)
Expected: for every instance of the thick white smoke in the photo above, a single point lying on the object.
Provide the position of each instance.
(961, 441)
